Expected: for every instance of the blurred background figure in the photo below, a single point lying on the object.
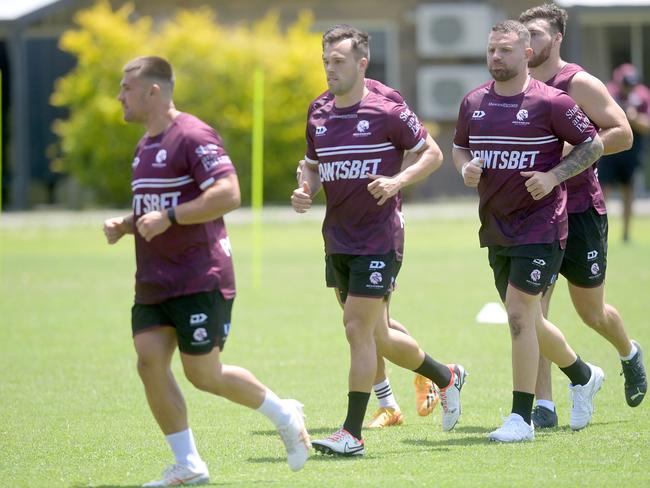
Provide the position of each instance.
(617, 170)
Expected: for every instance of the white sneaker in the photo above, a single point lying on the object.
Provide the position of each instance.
(295, 436)
(178, 475)
(450, 397)
(514, 429)
(342, 443)
(583, 398)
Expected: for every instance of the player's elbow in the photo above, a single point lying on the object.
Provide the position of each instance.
(233, 200)
(627, 138)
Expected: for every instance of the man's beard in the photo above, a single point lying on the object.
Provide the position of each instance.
(540, 58)
(503, 74)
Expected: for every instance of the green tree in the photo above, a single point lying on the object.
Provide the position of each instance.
(214, 66)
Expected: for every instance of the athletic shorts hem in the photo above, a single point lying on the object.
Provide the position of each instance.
(150, 327)
(369, 296)
(527, 292)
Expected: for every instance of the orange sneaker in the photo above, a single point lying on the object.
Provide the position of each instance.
(426, 395)
(385, 417)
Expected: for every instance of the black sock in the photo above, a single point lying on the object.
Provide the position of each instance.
(579, 373)
(357, 405)
(437, 372)
(522, 404)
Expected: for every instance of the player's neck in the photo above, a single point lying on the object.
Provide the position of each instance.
(548, 69)
(352, 97)
(159, 121)
(512, 87)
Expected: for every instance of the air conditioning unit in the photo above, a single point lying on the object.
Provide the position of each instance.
(450, 30)
(440, 89)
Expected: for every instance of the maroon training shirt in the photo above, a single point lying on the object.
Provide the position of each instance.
(169, 169)
(524, 132)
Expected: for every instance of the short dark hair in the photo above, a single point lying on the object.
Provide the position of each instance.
(360, 39)
(557, 17)
(508, 26)
(153, 68)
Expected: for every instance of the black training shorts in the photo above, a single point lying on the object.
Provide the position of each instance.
(202, 320)
(530, 268)
(585, 257)
(364, 276)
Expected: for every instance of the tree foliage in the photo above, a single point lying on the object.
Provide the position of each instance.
(214, 66)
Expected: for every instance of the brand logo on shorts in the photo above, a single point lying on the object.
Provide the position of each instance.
(377, 265)
(591, 255)
(478, 114)
(535, 275)
(320, 130)
(226, 328)
(161, 156)
(198, 318)
(595, 269)
(200, 334)
(375, 278)
(539, 262)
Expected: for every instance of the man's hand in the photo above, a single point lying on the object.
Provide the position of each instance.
(472, 171)
(152, 224)
(301, 198)
(383, 188)
(539, 184)
(114, 229)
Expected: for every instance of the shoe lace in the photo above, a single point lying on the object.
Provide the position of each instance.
(338, 435)
(633, 371)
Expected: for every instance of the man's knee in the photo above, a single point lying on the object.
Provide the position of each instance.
(205, 377)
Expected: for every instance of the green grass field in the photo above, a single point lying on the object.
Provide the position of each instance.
(73, 412)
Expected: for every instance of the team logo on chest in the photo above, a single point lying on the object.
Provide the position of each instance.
(521, 117)
(362, 129)
(161, 158)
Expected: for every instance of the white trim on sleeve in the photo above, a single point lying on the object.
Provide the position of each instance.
(417, 147)
(311, 161)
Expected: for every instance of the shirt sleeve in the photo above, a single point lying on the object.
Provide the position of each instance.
(406, 132)
(207, 158)
(461, 134)
(568, 122)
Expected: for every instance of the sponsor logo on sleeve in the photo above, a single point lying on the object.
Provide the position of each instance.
(411, 120)
(321, 130)
(578, 119)
(135, 162)
(209, 156)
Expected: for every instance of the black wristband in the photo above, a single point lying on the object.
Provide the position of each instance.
(171, 215)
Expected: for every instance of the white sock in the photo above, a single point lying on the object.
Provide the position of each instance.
(632, 353)
(184, 448)
(385, 394)
(275, 409)
(546, 404)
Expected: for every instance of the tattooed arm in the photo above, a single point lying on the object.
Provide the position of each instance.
(582, 156)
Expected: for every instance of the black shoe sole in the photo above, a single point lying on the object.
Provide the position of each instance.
(331, 452)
